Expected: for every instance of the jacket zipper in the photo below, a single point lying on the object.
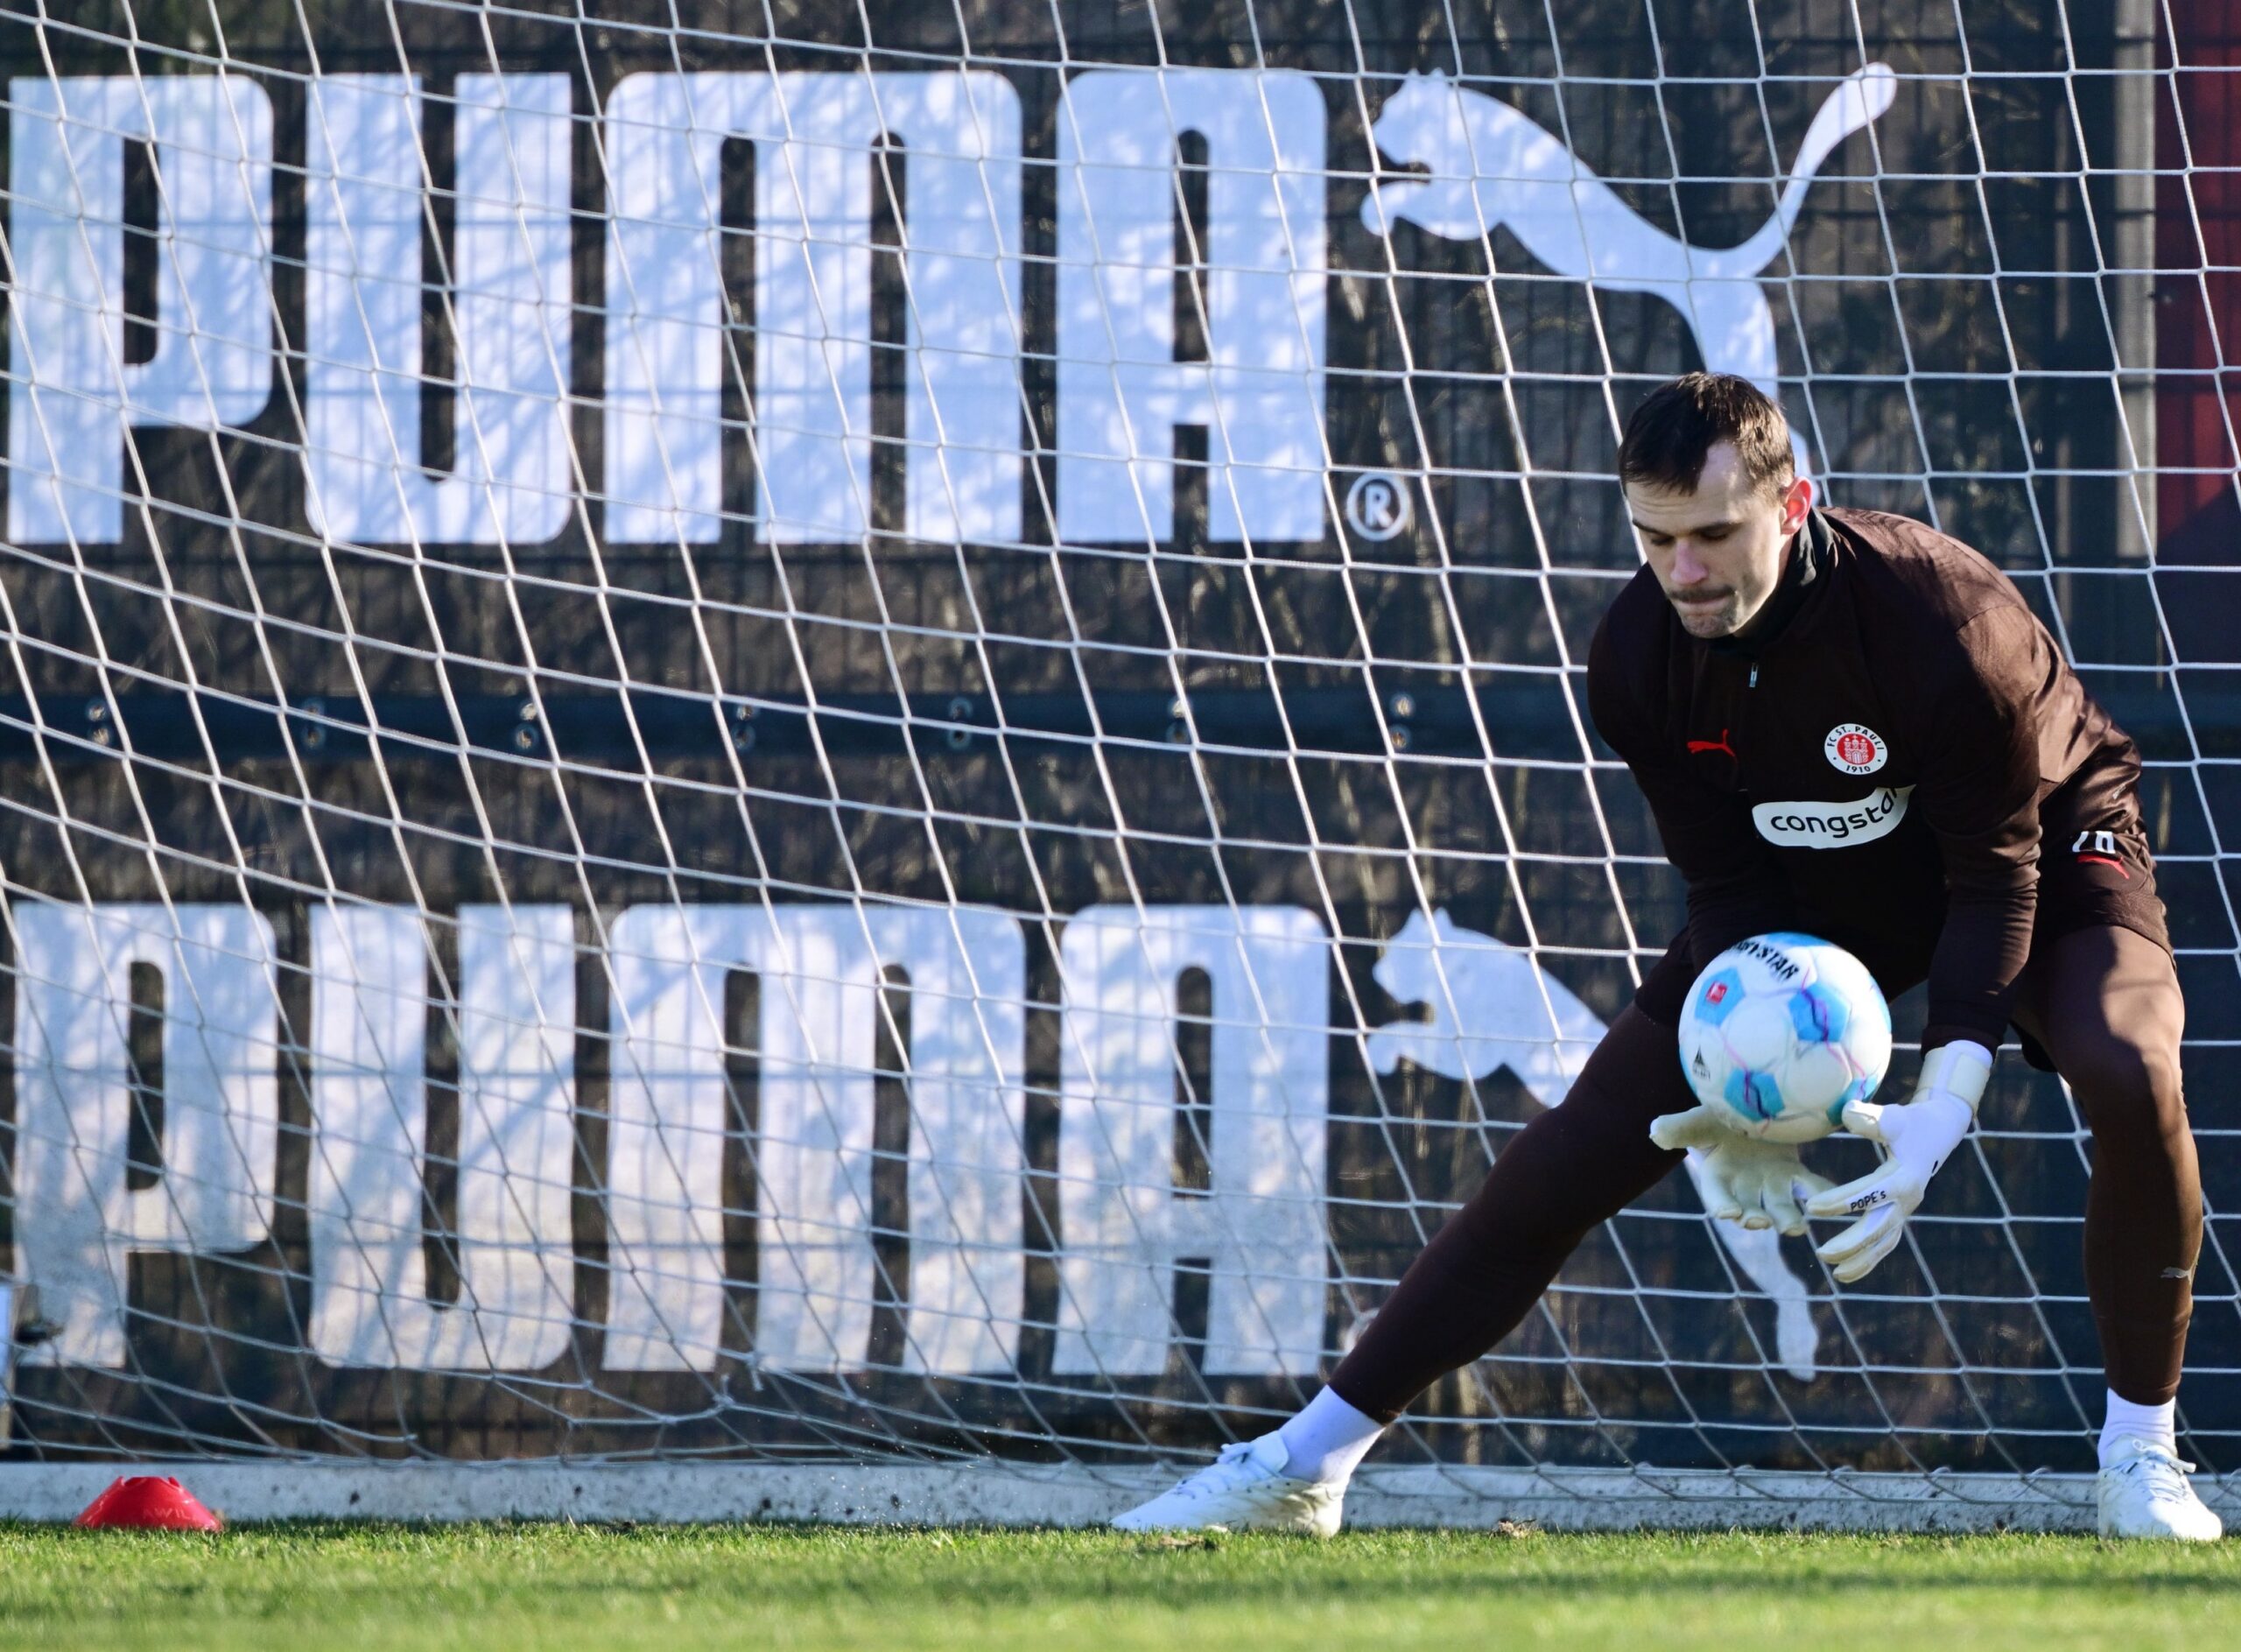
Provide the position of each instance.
(1741, 717)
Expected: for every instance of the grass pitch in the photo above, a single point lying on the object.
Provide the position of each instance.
(307, 1586)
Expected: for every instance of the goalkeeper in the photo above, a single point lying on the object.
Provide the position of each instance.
(1845, 723)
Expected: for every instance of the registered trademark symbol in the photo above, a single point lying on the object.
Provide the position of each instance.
(1377, 506)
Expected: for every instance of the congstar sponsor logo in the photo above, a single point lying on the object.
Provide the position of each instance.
(1832, 826)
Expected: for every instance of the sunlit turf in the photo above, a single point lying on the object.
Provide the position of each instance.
(309, 1586)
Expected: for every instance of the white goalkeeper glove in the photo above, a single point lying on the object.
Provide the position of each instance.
(1918, 1134)
(1751, 1182)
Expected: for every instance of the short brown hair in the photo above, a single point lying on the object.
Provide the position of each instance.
(1679, 423)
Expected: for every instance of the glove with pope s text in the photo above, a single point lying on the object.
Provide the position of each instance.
(1917, 1136)
(1748, 1181)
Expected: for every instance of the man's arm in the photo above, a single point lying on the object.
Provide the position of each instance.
(1983, 704)
(1979, 795)
(1735, 890)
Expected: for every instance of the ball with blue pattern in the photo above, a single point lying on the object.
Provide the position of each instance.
(1780, 1031)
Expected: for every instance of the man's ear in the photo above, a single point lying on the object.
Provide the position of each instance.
(1797, 499)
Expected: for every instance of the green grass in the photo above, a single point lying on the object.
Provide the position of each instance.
(306, 1587)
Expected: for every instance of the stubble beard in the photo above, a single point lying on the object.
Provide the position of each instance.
(1709, 625)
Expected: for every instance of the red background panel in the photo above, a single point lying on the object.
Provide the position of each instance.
(2198, 249)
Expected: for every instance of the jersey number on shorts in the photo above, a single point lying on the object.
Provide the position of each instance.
(2103, 849)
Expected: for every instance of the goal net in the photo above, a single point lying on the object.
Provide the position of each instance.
(863, 746)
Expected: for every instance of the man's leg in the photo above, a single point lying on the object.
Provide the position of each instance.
(1573, 1166)
(2104, 1002)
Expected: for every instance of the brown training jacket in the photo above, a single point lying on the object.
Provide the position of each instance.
(1873, 768)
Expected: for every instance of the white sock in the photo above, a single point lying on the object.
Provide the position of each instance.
(2157, 1424)
(1328, 1440)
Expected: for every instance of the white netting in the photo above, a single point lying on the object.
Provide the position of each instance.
(746, 746)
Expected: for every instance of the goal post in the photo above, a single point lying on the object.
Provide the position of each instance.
(844, 776)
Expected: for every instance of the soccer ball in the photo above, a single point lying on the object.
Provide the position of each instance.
(1780, 1031)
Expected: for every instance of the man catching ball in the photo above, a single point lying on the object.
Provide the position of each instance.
(1847, 724)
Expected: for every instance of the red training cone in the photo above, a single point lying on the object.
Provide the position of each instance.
(149, 1502)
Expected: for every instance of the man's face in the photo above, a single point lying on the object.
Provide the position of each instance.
(1717, 550)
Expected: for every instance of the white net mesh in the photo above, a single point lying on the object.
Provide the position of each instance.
(718, 744)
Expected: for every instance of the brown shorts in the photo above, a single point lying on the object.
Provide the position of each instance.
(2095, 871)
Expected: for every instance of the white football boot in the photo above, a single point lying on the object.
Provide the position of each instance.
(1243, 1489)
(2145, 1493)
